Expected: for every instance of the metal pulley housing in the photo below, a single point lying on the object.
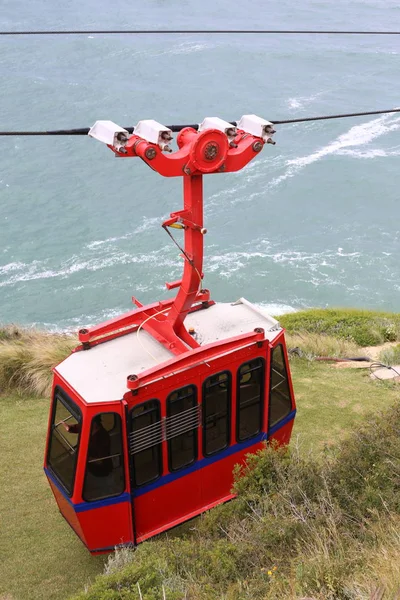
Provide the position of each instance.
(209, 151)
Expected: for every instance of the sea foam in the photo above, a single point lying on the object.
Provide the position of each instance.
(359, 135)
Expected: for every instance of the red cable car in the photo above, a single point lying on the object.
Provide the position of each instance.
(153, 409)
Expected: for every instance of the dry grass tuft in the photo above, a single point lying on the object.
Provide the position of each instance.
(381, 568)
(390, 356)
(27, 358)
(316, 344)
(118, 560)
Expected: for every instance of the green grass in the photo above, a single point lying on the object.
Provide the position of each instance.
(364, 327)
(330, 401)
(40, 555)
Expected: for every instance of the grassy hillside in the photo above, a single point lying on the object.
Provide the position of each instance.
(328, 530)
(300, 527)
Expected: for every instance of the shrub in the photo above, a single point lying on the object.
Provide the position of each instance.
(300, 526)
(364, 327)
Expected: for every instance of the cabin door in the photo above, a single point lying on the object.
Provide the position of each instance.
(163, 439)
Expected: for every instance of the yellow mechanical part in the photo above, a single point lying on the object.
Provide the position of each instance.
(176, 226)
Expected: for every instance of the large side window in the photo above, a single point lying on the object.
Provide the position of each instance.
(145, 442)
(104, 476)
(250, 397)
(216, 413)
(280, 402)
(182, 424)
(64, 439)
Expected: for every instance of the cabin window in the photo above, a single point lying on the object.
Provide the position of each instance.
(104, 476)
(216, 413)
(182, 424)
(145, 442)
(64, 439)
(280, 402)
(250, 396)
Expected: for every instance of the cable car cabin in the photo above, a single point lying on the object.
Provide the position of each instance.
(153, 409)
(126, 465)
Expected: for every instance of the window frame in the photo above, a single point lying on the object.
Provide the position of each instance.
(136, 485)
(61, 395)
(195, 429)
(228, 413)
(121, 454)
(261, 401)
(280, 345)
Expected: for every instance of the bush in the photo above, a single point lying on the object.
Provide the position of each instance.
(364, 327)
(300, 526)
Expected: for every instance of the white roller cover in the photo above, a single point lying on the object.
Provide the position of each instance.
(105, 131)
(256, 126)
(152, 132)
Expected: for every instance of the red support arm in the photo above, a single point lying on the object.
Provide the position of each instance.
(191, 280)
(199, 153)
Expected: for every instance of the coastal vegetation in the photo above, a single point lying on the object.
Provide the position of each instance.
(320, 519)
(363, 327)
(27, 357)
(301, 526)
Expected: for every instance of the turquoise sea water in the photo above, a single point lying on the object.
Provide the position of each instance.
(313, 221)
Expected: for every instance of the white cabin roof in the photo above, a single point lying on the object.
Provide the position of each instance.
(224, 320)
(99, 374)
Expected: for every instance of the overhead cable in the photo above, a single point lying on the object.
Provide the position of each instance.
(341, 116)
(197, 31)
(177, 128)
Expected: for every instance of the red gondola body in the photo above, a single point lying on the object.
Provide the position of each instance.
(153, 409)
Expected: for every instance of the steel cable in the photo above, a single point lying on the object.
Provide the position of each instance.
(177, 128)
(197, 31)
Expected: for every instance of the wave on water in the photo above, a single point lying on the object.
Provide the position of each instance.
(73, 324)
(359, 135)
(300, 102)
(183, 48)
(14, 266)
(238, 192)
(148, 223)
(188, 48)
(23, 272)
(373, 153)
(274, 309)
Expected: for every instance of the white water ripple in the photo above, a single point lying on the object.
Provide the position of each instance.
(147, 224)
(38, 270)
(359, 135)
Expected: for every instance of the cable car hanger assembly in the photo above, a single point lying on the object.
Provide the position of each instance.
(216, 146)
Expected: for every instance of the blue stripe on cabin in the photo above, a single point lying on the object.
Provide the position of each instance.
(164, 480)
